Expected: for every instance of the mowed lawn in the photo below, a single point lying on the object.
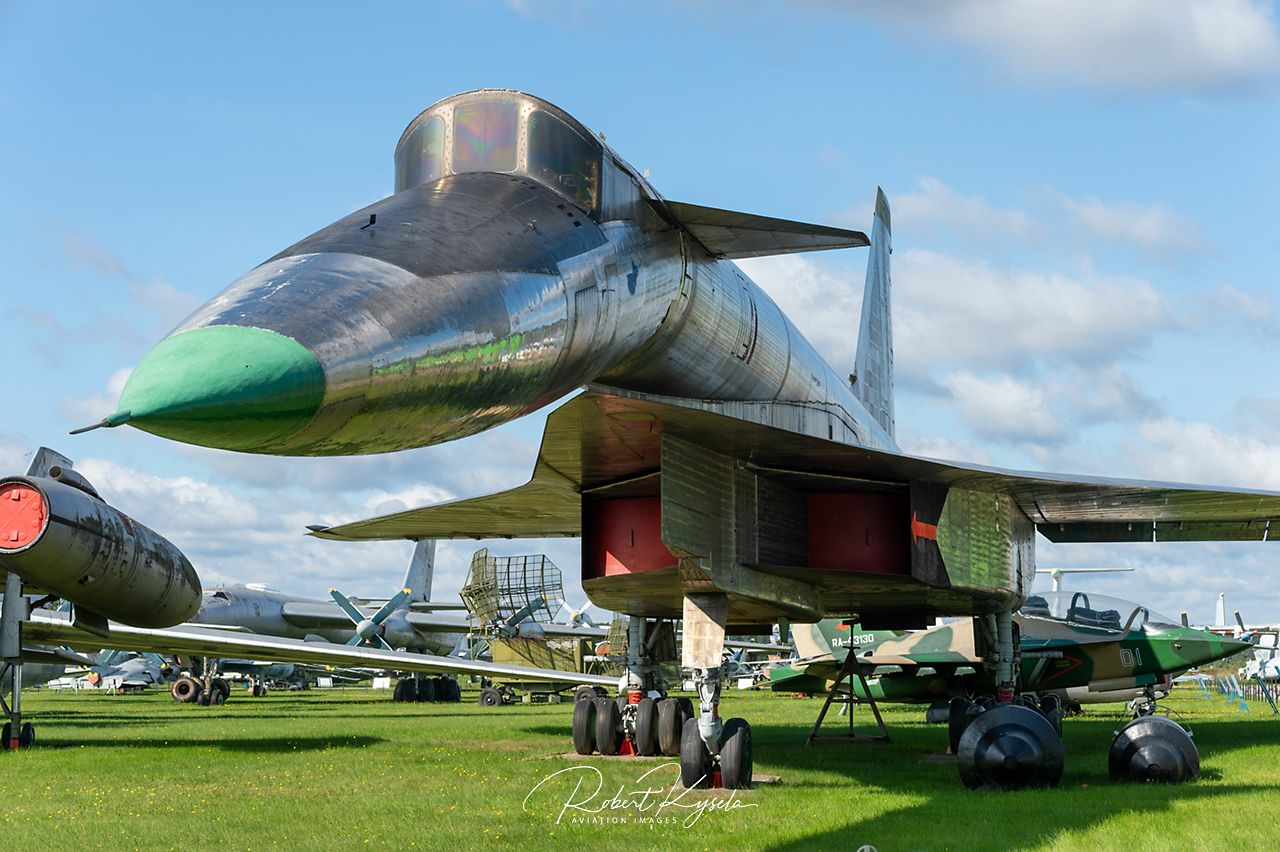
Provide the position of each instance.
(350, 768)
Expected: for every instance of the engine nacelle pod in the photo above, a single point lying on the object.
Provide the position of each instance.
(63, 539)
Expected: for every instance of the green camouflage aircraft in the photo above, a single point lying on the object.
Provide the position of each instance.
(1075, 648)
(1068, 647)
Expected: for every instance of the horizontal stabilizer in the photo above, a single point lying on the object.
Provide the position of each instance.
(725, 233)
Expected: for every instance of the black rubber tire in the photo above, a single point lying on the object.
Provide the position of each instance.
(608, 726)
(622, 701)
(490, 697)
(957, 720)
(584, 693)
(686, 710)
(455, 690)
(204, 697)
(584, 726)
(425, 689)
(27, 735)
(402, 687)
(647, 727)
(185, 690)
(223, 688)
(5, 733)
(736, 762)
(670, 721)
(695, 760)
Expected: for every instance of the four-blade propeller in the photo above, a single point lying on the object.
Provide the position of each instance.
(369, 629)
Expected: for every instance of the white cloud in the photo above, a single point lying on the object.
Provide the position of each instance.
(1153, 228)
(1194, 452)
(951, 312)
(1181, 46)
(936, 205)
(85, 411)
(1004, 409)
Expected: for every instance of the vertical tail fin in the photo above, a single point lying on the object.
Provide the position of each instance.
(873, 365)
(421, 566)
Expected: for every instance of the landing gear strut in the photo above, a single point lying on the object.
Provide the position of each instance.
(1005, 742)
(712, 753)
(15, 733)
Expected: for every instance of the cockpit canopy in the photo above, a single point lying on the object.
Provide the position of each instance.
(511, 132)
(1083, 609)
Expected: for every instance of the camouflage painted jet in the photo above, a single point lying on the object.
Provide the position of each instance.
(1072, 644)
(716, 467)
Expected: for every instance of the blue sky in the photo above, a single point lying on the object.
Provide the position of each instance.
(1084, 200)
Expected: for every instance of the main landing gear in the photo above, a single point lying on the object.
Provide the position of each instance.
(645, 721)
(15, 733)
(1011, 742)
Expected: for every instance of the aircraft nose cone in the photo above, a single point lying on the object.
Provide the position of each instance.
(225, 386)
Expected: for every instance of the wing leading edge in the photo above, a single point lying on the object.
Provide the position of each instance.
(604, 440)
(55, 629)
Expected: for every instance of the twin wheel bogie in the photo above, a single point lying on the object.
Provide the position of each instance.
(663, 727)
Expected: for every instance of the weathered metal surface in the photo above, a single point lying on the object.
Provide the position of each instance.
(92, 554)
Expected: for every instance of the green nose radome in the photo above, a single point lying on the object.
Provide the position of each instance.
(224, 386)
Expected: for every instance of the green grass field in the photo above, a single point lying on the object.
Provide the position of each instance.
(349, 768)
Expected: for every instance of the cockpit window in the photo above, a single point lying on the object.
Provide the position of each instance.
(220, 596)
(1089, 610)
(561, 158)
(484, 136)
(421, 159)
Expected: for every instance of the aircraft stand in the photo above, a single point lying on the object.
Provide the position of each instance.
(16, 733)
(849, 669)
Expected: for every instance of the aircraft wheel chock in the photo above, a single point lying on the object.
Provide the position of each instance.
(695, 761)
(1010, 746)
(584, 726)
(670, 721)
(1153, 748)
(735, 755)
(608, 726)
(647, 727)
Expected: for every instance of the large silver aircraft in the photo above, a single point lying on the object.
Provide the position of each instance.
(715, 466)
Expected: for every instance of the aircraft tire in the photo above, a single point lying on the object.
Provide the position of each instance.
(670, 721)
(27, 735)
(958, 719)
(1051, 709)
(185, 690)
(490, 697)
(401, 690)
(608, 726)
(455, 690)
(222, 688)
(736, 762)
(425, 689)
(5, 733)
(584, 693)
(647, 727)
(695, 761)
(584, 726)
(1010, 747)
(686, 710)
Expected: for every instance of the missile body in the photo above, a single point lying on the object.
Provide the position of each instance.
(506, 271)
(63, 539)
